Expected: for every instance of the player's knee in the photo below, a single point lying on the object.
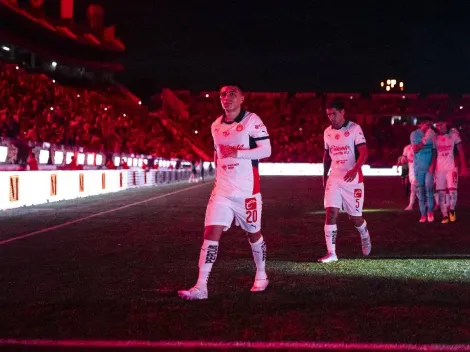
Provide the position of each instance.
(213, 233)
(331, 216)
(356, 220)
(254, 237)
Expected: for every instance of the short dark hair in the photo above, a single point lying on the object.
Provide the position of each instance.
(238, 86)
(337, 104)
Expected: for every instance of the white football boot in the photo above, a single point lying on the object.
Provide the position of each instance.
(193, 293)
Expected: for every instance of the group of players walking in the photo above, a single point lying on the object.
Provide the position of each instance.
(241, 139)
(430, 172)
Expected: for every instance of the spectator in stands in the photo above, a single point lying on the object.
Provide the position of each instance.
(72, 165)
(32, 162)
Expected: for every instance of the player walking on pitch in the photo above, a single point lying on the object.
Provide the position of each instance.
(446, 175)
(240, 140)
(345, 153)
(422, 141)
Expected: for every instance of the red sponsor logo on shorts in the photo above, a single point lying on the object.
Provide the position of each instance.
(358, 193)
(239, 128)
(250, 203)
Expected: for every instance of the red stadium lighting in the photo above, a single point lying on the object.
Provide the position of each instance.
(105, 109)
(196, 132)
(461, 107)
(140, 103)
(207, 95)
(53, 81)
(17, 68)
(351, 97)
(387, 88)
(124, 115)
(403, 97)
(78, 95)
(51, 108)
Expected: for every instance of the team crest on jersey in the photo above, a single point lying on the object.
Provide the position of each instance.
(337, 136)
(346, 134)
(250, 203)
(226, 133)
(358, 193)
(239, 128)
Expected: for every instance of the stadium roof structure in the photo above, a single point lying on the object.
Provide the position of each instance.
(74, 46)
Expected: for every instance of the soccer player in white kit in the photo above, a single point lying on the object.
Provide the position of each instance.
(409, 154)
(345, 153)
(446, 174)
(240, 140)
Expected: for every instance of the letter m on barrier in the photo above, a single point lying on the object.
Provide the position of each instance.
(14, 187)
(81, 181)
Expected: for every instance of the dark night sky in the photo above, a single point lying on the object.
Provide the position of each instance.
(291, 45)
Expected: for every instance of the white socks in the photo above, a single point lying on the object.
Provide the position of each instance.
(363, 231)
(207, 259)
(259, 255)
(452, 199)
(330, 238)
(443, 202)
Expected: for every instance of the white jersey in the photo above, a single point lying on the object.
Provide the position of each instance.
(409, 153)
(341, 145)
(445, 145)
(237, 177)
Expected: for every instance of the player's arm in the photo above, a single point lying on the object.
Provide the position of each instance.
(428, 137)
(363, 154)
(362, 151)
(432, 167)
(215, 158)
(417, 146)
(361, 146)
(262, 150)
(326, 165)
(463, 161)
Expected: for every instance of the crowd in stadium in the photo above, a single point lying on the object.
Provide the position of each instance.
(36, 108)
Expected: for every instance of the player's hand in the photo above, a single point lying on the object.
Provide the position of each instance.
(464, 172)
(428, 136)
(350, 175)
(227, 151)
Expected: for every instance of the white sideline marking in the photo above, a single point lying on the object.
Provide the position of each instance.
(230, 344)
(95, 215)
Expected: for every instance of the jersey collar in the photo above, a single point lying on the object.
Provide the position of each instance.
(344, 125)
(237, 119)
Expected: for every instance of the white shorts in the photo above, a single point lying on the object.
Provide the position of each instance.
(446, 179)
(223, 210)
(411, 174)
(345, 195)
